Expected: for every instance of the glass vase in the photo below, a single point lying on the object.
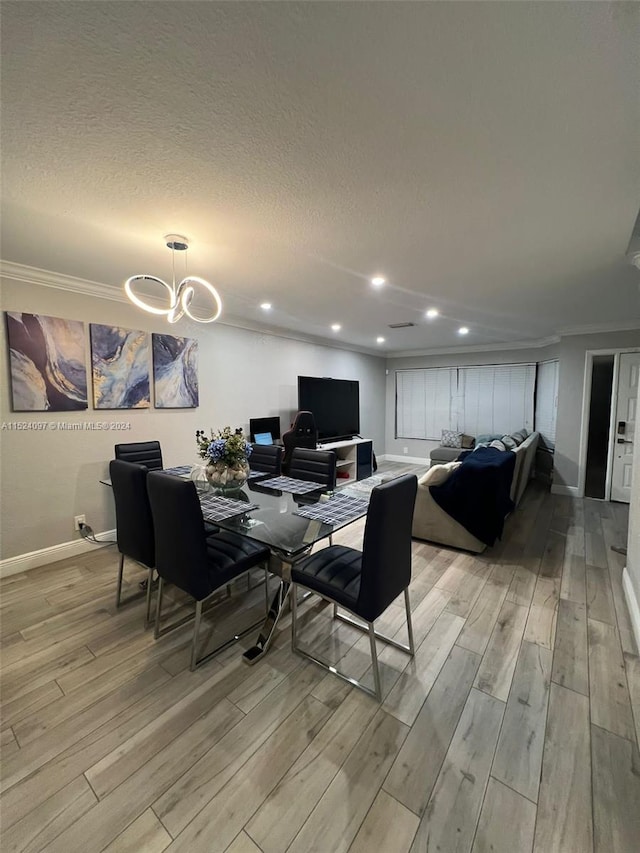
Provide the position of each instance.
(225, 478)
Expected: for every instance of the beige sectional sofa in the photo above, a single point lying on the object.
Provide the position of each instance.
(432, 523)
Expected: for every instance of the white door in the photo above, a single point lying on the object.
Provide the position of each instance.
(624, 426)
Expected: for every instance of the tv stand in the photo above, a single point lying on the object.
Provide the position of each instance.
(354, 456)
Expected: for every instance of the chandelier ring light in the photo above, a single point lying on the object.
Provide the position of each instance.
(180, 295)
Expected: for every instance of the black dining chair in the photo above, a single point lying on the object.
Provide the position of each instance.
(147, 453)
(365, 582)
(134, 525)
(303, 433)
(266, 458)
(196, 563)
(315, 466)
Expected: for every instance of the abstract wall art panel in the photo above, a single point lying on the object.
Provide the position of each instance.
(120, 367)
(175, 372)
(48, 363)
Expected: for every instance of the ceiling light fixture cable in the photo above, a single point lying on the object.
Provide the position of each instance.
(180, 296)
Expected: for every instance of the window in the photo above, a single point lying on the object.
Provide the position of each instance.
(547, 402)
(425, 402)
(474, 400)
(496, 398)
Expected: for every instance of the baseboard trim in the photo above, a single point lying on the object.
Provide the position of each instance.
(410, 460)
(35, 559)
(568, 491)
(632, 604)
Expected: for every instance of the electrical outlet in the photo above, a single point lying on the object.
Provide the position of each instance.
(78, 520)
(405, 449)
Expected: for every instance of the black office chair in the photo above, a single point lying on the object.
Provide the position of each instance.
(315, 466)
(196, 563)
(134, 524)
(365, 582)
(303, 433)
(266, 458)
(147, 453)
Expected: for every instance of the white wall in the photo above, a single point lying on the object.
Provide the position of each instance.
(572, 351)
(49, 477)
(631, 575)
(420, 448)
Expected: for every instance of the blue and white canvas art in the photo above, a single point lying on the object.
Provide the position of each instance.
(175, 372)
(47, 358)
(120, 367)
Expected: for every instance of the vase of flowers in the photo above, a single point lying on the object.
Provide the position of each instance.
(226, 458)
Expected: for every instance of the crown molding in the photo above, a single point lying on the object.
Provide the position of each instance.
(594, 328)
(59, 281)
(513, 345)
(72, 284)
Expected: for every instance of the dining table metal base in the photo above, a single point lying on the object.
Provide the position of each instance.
(278, 604)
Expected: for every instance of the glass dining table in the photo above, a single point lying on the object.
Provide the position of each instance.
(276, 522)
(273, 517)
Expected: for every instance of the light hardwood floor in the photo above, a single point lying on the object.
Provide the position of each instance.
(513, 729)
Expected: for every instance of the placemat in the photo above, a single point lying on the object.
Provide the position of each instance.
(337, 509)
(217, 508)
(254, 474)
(289, 484)
(179, 470)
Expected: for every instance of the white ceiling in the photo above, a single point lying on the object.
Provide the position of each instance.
(484, 157)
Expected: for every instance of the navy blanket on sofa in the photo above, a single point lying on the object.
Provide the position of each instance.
(477, 493)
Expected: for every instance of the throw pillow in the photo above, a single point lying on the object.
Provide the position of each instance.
(451, 438)
(438, 474)
(509, 442)
(467, 441)
(498, 444)
(517, 438)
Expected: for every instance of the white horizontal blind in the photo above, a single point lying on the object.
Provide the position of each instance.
(424, 402)
(496, 398)
(547, 402)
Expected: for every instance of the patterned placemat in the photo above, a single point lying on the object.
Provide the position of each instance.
(289, 484)
(253, 475)
(179, 470)
(217, 508)
(337, 509)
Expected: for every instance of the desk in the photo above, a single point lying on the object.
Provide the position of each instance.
(289, 537)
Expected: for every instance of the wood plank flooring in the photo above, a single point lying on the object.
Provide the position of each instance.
(514, 729)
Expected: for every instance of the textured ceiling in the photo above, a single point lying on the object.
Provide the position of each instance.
(482, 156)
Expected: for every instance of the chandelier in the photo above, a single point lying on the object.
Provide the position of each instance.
(180, 295)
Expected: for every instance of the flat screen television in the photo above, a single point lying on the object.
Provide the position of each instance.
(335, 404)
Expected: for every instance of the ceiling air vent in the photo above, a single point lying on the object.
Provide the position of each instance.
(401, 325)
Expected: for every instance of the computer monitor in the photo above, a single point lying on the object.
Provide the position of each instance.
(262, 425)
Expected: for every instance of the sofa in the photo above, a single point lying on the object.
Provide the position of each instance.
(432, 523)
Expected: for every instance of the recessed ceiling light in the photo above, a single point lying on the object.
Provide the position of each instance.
(378, 281)
(266, 306)
(379, 340)
(336, 327)
(463, 330)
(432, 312)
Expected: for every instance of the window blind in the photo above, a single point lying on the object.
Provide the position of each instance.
(496, 398)
(547, 402)
(424, 402)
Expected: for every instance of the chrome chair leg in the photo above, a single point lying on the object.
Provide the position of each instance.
(147, 618)
(369, 627)
(196, 630)
(156, 629)
(407, 607)
(293, 602)
(119, 589)
(374, 662)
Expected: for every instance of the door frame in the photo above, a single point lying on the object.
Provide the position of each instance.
(586, 405)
